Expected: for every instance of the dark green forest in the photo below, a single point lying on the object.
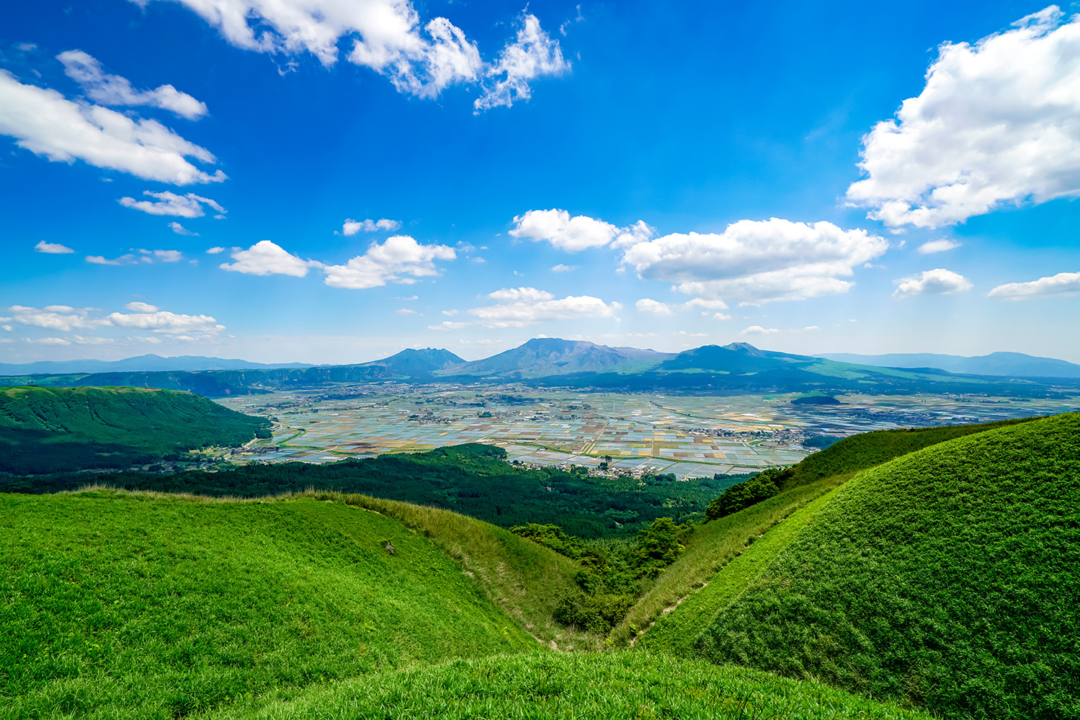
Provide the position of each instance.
(50, 430)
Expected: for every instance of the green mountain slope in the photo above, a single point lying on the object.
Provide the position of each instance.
(611, 686)
(947, 578)
(138, 606)
(57, 429)
(866, 450)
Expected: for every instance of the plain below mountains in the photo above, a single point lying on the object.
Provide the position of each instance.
(1004, 364)
(711, 369)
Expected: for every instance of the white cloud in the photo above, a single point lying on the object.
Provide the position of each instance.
(758, 330)
(996, 124)
(931, 282)
(101, 260)
(560, 268)
(532, 55)
(51, 341)
(449, 325)
(757, 261)
(574, 234)
(707, 304)
(653, 307)
(115, 90)
(80, 340)
(166, 322)
(144, 317)
(215, 250)
(351, 227)
(811, 327)
(46, 123)
(1060, 284)
(937, 246)
(386, 36)
(53, 317)
(267, 258)
(449, 313)
(186, 206)
(169, 256)
(181, 230)
(400, 259)
(518, 307)
(721, 316)
(52, 248)
(406, 311)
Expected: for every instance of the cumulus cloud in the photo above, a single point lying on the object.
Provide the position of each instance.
(758, 330)
(46, 123)
(168, 256)
(115, 90)
(52, 317)
(1060, 284)
(449, 325)
(937, 246)
(931, 282)
(388, 37)
(102, 260)
(166, 322)
(167, 203)
(653, 307)
(63, 318)
(533, 54)
(400, 259)
(996, 124)
(518, 307)
(267, 258)
(707, 304)
(574, 234)
(215, 250)
(560, 268)
(181, 230)
(52, 248)
(351, 227)
(757, 261)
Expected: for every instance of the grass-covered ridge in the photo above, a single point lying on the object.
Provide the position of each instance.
(946, 578)
(867, 450)
(46, 430)
(139, 606)
(610, 686)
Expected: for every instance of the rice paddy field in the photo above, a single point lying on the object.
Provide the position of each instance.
(688, 436)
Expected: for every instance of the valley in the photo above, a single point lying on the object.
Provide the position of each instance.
(689, 436)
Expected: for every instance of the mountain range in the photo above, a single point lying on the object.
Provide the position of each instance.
(1006, 364)
(711, 369)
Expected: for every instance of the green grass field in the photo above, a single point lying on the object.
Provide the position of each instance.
(117, 605)
(47, 430)
(867, 450)
(709, 550)
(609, 686)
(947, 578)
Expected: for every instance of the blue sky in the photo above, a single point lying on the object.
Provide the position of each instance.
(642, 174)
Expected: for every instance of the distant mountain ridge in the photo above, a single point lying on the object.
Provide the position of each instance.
(142, 363)
(711, 369)
(546, 357)
(1005, 364)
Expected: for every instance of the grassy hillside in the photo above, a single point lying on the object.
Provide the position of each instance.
(524, 579)
(46, 430)
(709, 550)
(139, 606)
(471, 479)
(611, 686)
(866, 450)
(947, 578)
